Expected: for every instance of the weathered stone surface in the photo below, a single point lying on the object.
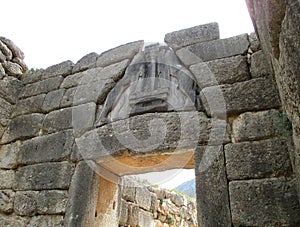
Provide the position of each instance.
(123, 213)
(211, 187)
(22, 127)
(221, 48)
(21, 63)
(8, 155)
(40, 87)
(83, 195)
(13, 221)
(54, 147)
(6, 51)
(259, 159)
(29, 105)
(260, 65)
(86, 62)
(143, 198)
(58, 120)
(16, 52)
(68, 97)
(120, 53)
(268, 202)
(252, 95)
(221, 71)
(5, 111)
(52, 202)
(2, 70)
(12, 69)
(32, 76)
(254, 42)
(52, 100)
(114, 71)
(10, 89)
(128, 189)
(25, 203)
(189, 36)
(72, 80)
(260, 125)
(7, 179)
(46, 220)
(61, 69)
(83, 118)
(55, 175)
(6, 201)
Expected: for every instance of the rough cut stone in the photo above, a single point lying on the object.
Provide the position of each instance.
(6, 51)
(12, 69)
(29, 105)
(61, 69)
(83, 118)
(211, 187)
(114, 71)
(252, 95)
(67, 100)
(58, 120)
(189, 36)
(10, 88)
(221, 48)
(52, 100)
(254, 42)
(72, 80)
(120, 53)
(54, 147)
(268, 202)
(32, 76)
(22, 127)
(86, 62)
(221, 71)
(7, 179)
(13, 48)
(52, 202)
(5, 111)
(123, 213)
(6, 201)
(259, 159)
(55, 175)
(46, 220)
(260, 65)
(40, 87)
(13, 221)
(25, 203)
(8, 155)
(21, 63)
(143, 198)
(128, 189)
(259, 125)
(2, 70)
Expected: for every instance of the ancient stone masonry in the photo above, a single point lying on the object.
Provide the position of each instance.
(71, 131)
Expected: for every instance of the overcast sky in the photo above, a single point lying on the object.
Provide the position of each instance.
(52, 31)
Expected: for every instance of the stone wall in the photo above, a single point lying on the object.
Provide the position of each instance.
(147, 206)
(56, 151)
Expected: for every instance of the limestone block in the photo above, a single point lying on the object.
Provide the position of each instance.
(120, 53)
(145, 219)
(55, 175)
(7, 179)
(221, 48)
(6, 201)
(2, 70)
(260, 66)
(29, 105)
(143, 198)
(252, 95)
(5, 50)
(259, 125)
(266, 202)
(12, 69)
(254, 42)
(13, 221)
(61, 69)
(58, 120)
(52, 100)
(2, 59)
(128, 189)
(259, 159)
(46, 220)
(86, 62)
(16, 52)
(52, 202)
(54, 147)
(5, 111)
(25, 203)
(211, 187)
(8, 155)
(68, 97)
(10, 89)
(32, 76)
(72, 80)
(22, 127)
(21, 63)
(123, 213)
(178, 200)
(189, 36)
(114, 71)
(222, 71)
(40, 87)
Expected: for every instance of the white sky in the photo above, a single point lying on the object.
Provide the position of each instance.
(52, 31)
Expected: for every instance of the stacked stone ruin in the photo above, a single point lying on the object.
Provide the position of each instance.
(55, 172)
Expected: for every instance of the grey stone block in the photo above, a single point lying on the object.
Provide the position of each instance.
(189, 36)
(55, 175)
(259, 125)
(6, 201)
(114, 71)
(126, 51)
(40, 87)
(61, 69)
(54, 147)
(10, 89)
(86, 62)
(260, 65)
(12, 69)
(123, 213)
(5, 111)
(221, 48)
(16, 52)
(268, 202)
(23, 127)
(25, 203)
(52, 202)
(259, 159)
(222, 71)
(46, 220)
(67, 100)
(58, 120)
(32, 77)
(253, 95)
(8, 155)
(13, 221)
(187, 57)
(29, 105)
(254, 42)
(211, 187)
(52, 100)
(128, 189)
(72, 80)
(7, 179)
(143, 198)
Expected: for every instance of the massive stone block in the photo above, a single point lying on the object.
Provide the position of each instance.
(52, 202)
(13, 221)
(61, 69)
(52, 100)
(8, 155)
(86, 62)
(58, 120)
(260, 66)
(29, 105)
(6, 201)
(47, 220)
(266, 202)
(10, 89)
(259, 159)
(5, 111)
(25, 203)
(7, 179)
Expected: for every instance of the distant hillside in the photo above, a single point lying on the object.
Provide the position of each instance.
(188, 188)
